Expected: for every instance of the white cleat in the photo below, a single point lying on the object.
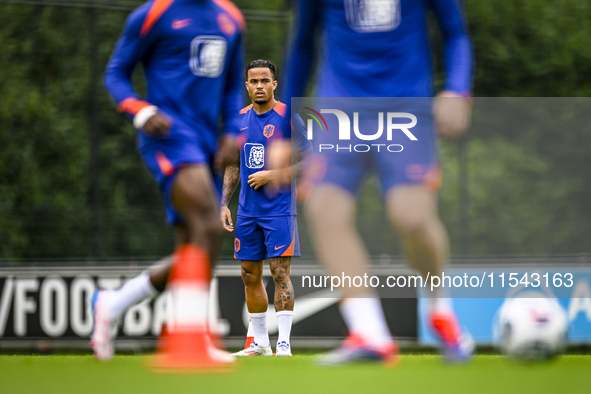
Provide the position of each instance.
(283, 349)
(101, 339)
(254, 350)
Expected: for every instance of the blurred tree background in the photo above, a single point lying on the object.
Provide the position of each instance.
(73, 187)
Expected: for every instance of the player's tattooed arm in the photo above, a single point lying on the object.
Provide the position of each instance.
(231, 178)
(281, 271)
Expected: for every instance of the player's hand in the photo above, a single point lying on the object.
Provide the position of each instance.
(260, 178)
(226, 217)
(279, 157)
(228, 153)
(158, 125)
(452, 114)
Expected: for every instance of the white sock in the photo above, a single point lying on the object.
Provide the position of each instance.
(440, 305)
(365, 317)
(259, 326)
(284, 319)
(132, 292)
(439, 301)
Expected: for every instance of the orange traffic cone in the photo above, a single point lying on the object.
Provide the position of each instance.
(249, 335)
(186, 343)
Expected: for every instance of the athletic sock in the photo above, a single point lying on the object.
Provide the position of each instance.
(440, 305)
(259, 326)
(284, 321)
(365, 317)
(439, 301)
(132, 292)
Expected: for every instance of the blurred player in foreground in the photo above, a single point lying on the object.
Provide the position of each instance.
(191, 52)
(266, 225)
(380, 48)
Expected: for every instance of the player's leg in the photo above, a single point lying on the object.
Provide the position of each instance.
(249, 247)
(282, 243)
(410, 180)
(189, 195)
(109, 305)
(254, 289)
(193, 189)
(283, 300)
(158, 273)
(194, 197)
(146, 285)
(331, 214)
(412, 209)
(257, 303)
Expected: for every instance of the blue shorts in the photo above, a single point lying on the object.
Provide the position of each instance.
(164, 157)
(258, 238)
(396, 161)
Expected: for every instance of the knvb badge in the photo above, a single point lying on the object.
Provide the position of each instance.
(371, 16)
(269, 130)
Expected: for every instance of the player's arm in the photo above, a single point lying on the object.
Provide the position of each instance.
(231, 178)
(300, 58)
(128, 52)
(233, 101)
(452, 107)
(298, 64)
(301, 54)
(283, 175)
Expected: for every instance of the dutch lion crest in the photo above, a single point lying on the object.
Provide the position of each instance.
(255, 157)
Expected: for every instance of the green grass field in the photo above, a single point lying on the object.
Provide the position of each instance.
(298, 374)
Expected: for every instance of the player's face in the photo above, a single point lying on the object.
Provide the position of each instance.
(260, 85)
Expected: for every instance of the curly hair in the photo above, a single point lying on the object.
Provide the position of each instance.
(260, 63)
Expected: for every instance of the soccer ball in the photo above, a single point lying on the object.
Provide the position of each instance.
(531, 329)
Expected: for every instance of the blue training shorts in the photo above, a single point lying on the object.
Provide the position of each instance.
(395, 161)
(258, 238)
(164, 157)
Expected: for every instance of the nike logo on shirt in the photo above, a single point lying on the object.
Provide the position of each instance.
(180, 23)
